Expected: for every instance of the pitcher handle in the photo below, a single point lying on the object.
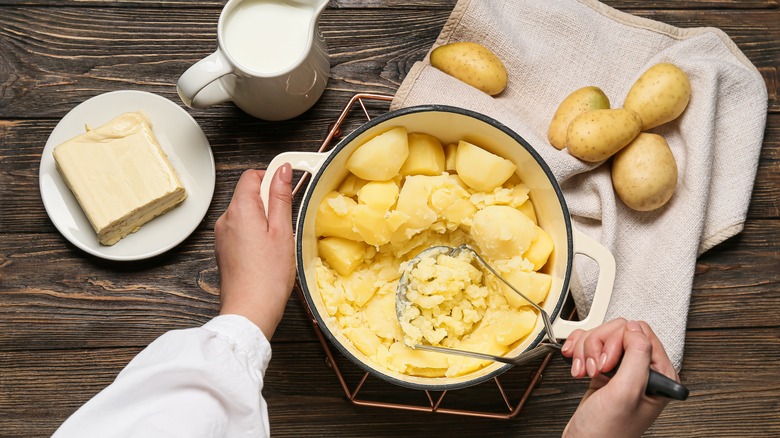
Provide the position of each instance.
(589, 247)
(305, 161)
(199, 85)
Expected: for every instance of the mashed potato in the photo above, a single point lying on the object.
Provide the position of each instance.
(368, 230)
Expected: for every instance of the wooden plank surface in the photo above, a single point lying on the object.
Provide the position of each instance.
(69, 322)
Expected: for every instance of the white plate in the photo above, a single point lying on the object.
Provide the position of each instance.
(188, 151)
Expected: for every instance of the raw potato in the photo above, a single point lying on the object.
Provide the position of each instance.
(644, 173)
(481, 170)
(381, 157)
(660, 95)
(473, 64)
(580, 101)
(426, 156)
(599, 134)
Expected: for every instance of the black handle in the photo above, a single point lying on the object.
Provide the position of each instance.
(658, 385)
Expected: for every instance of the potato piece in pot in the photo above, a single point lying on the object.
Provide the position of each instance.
(381, 157)
(379, 195)
(351, 185)
(481, 170)
(450, 152)
(426, 156)
(540, 249)
(644, 173)
(341, 254)
(334, 217)
(502, 232)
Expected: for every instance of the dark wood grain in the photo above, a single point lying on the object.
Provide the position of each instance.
(69, 322)
(90, 51)
(45, 389)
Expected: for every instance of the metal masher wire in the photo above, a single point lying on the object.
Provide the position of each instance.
(657, 383)
(401, 303)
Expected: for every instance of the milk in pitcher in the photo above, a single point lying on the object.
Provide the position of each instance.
(267, 36)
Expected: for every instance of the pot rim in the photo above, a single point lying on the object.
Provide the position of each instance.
(307, 198)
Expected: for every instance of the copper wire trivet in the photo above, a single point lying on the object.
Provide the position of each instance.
(508, 409)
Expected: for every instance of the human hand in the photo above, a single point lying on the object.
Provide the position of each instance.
(616, 406)
(254, 252)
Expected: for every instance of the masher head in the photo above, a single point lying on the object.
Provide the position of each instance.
(403, 304)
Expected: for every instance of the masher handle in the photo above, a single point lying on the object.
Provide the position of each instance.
(658, 385)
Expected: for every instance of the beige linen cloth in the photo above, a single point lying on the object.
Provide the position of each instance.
(554, 47)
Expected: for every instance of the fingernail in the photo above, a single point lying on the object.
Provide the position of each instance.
(633, 326)
(590, 365)
(576, 367)
(285, 173)
(566, 346)
(602, 361)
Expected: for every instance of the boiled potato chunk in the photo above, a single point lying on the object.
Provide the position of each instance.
(660, 95)
(426, 156)
(334, 217)
(379, 195)
(502, 232)
(341, 254)
(644, 173)
(351, 185)
(508, 327)
(413, 201)
(527, 208)
(360, 286)
(364, 340)
(381, 157)
(540, 249)
(534, 285)
(450, 152)
(380, 313)
(482, 170)
(403, 357)
(473, 64)
(597, 135)
(578, 102)
(371, 224)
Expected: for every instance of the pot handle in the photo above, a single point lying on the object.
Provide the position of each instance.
(305, 161)
(589, 247)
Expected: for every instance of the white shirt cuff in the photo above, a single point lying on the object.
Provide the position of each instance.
(245, 336)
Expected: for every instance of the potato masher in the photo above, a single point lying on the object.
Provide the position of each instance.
(657, 383)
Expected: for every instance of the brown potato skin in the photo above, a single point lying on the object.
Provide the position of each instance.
(473, 64)
(660, 95)
(579, 101)
(644, 173)
(597, 135)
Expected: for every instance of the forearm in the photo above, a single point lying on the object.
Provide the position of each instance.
(203, 381)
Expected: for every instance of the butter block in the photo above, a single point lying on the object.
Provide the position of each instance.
(120, 176)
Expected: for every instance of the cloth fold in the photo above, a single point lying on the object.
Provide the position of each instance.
(554, 47)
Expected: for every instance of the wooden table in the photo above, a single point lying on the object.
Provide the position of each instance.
(69, 322)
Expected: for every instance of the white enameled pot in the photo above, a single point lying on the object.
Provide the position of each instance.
(450, 124)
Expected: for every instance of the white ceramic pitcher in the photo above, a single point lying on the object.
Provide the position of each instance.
(271, 60)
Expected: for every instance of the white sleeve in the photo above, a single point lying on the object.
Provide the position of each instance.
(199, 382)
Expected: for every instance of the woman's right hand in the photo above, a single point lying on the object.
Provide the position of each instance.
(616, 406)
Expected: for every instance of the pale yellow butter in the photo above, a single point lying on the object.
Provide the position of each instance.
(120, 176)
